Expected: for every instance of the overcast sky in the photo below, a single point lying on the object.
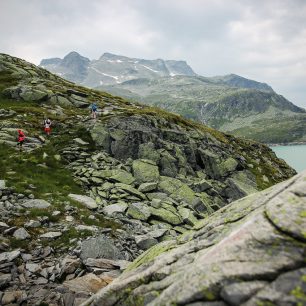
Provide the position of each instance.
(264, 40)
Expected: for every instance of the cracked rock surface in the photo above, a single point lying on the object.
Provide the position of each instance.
(251, 252)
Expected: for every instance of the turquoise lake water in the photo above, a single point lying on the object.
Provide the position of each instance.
(295, 156)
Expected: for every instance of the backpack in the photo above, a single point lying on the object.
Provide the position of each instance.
(94, 107)
(47, 122)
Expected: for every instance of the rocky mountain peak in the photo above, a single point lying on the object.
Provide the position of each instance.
(111, 56)
(50, 61)
(239, 81)
(114, 69)
(73, 60)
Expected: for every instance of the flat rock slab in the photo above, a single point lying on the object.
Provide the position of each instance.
(80, 141)
(36, 203)
(89, 283)
(85, 200)
(103, 263)
(9, 256)
(82, 227)
(51, 235)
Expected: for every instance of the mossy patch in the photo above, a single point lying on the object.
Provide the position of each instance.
(151, 254)
(299, 294)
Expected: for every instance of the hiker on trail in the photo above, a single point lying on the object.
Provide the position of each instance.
(21, 138)
(94, 109)
(47, 126)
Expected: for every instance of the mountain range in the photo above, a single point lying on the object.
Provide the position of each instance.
(230, 103)
(111, 69)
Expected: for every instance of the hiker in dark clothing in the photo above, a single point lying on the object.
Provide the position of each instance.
(94, 109)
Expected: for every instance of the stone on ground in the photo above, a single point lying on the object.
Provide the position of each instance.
(84, 200)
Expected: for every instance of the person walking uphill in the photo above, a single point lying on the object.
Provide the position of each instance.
(20, 140)
(94, 109)
(47, 126)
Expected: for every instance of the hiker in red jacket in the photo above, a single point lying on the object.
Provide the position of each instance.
(47, 126)
(21, 138)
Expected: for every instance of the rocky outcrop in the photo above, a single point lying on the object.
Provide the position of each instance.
(251, 252)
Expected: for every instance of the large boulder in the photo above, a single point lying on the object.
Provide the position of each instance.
(30, 94)
(148, 151)
(178, 190)
(251, 252)
(168, 165)
(145, 171)
(99, 247)
(239, 185)
(101, 137)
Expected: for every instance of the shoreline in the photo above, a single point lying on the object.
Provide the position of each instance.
(286, 144)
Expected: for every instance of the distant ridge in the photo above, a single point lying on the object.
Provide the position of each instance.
(230, 103)
(112, 69)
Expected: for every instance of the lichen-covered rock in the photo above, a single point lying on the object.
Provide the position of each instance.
(145, 171)
(101, 136)
(239, 185)
(165, 215)
(84, 200)
(146, 187)
(251, 252)
(148, 151)
(116, 175)
(131, 190)
(115, 208)
(139, 211)
(187, 216)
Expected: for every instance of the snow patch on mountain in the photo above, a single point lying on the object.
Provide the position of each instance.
(149, 68)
